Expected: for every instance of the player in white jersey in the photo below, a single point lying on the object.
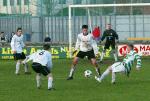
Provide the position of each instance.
(124, 66)
(87, 46)
(17, 45)
(42, 64)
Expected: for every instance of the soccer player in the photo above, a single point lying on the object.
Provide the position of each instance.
(124, 66)
(111, 39)
(42, 64)
(87, 46)
(17, 45)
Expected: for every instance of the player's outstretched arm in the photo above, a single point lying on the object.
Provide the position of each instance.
(139, 64)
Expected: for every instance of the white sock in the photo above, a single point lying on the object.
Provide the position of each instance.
(102, 56)
(50, 82)
(26, 67)
(113, 77)
(17, 67)
(71, 71)
(115, 57)
(104, 74)
(38, 80)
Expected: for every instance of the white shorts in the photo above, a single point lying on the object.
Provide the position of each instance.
(118, 67)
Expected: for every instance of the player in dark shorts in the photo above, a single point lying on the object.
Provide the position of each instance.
(17, 46)
(111, 39)
(42, 64)
(87, 46)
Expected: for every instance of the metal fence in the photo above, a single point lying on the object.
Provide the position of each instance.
(57, 27)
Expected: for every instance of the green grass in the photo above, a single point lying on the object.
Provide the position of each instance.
(23, 87)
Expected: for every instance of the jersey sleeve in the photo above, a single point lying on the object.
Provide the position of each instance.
(116, 36)
(49, 62)
(94, 46)
(29, 57)
(22, 43)
(13, 41)
(138, 58)
(78, 43)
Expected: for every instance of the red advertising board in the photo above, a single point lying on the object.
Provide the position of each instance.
(142, 49)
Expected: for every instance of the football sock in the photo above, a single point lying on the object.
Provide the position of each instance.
(50, 82)
(104, 74)
(102, 56)
(115, 57)
(98, 71)
(72, 71)
(17, 67)
(38, 80)
(113, 77)
(26, 67)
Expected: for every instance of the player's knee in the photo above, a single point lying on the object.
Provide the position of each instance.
(75, 61)
(110, 68)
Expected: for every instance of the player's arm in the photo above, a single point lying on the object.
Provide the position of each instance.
(116, 36)
(13, 45)
(28, 58)
(49, 63)
(22, 43)
(77, 44)
(94, 46)
(138, 59)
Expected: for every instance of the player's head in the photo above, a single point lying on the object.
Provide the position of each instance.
(108, 26)
(19, 31)
(130, 47)
(85, 29)
(46, 46)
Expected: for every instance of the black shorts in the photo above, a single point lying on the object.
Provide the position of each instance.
(38, 68)
(19, 56)
(108, 44)
(89, 54)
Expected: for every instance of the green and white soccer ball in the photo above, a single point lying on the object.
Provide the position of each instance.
(87, 73)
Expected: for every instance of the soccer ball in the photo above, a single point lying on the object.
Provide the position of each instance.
(87, 73)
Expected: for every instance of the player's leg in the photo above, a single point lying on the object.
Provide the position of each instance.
(73, 67)
(107, 71)
(18, 62)
(46, 72)
(115, 68)
(92, 58)
(95, 64)
(74, 63)
(18, 66)
(37, 68)
(107, 45)
(114, 52)
(26, 68)
(38, 80)
(50, 81)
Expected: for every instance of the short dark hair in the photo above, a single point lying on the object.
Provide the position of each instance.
(131, 46)
(19, 28)
(46, 46)
(85, 26)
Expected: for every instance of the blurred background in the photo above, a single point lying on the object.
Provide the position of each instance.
(40, 19)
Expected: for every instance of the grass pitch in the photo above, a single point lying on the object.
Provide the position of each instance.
(23, 87)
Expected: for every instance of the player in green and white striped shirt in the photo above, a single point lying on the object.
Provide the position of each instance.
(124, 66)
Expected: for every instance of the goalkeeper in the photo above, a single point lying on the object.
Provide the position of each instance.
(111, 40)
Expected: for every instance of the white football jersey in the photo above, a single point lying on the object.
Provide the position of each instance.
(43, 57)
(17, 43)
(86, 43)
